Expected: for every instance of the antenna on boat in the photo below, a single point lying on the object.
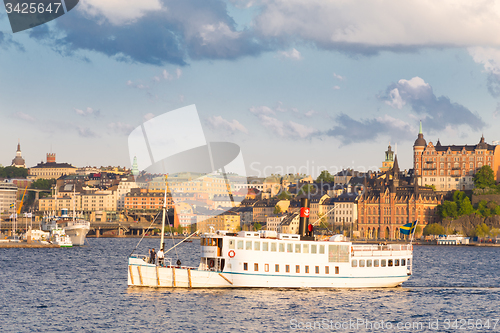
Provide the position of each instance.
(164, 209)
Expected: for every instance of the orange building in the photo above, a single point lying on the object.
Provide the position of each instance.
(452, 167)
(141, 199)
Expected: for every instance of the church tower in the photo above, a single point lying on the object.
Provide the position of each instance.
(18, 161)
(418, 150)
(389, 159)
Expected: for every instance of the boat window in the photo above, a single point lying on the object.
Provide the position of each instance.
(316, 269)
(338, 253)
(245, 266)
(256, 246)
(403, 262)
(265, 246)
(305, 248)
(390, 263)
(382, 263)
(297, 268)
(313, 248)
(327, 269)
(337, 270)
(282, 247)
(297, 248)
(289, 247)
(273, 247)
(396, 262)
(287, 268)
(248, 245)
(375, 263)
(321, 249)
(361, 262)
(306, 269)
(369, 263)
(231, 244)
(240, 245)
(266, 268)
(256, 267)
(202, 241)
(277, 268)
(408, 262)
(354, 263)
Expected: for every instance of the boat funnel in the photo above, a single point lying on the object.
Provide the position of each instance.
(305, 211)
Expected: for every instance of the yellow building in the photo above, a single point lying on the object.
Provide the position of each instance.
(50, 169)
(389, 160)
(229, 221)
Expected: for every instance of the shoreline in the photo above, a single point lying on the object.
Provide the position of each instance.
(24, 245)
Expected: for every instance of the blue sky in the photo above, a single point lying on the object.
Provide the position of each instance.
(299, 85)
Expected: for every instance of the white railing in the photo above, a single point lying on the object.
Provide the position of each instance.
(371, 250)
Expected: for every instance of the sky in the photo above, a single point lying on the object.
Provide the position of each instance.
(299, 85)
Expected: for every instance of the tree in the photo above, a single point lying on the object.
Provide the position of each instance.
(448, 209)
(458, 197)
(484, 178)
(277, 209)
(325, 177)
(13, 172)
(465, 207)
(482, 230)
(257, 226)
(308, 189)
(434, 229)
(284, 195)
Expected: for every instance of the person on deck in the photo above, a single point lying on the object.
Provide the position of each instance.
(161, 256)
(153, 256)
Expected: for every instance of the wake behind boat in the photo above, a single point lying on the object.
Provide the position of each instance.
(269, 259)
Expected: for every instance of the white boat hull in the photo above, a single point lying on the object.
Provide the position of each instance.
(143, 274)
(77, 234)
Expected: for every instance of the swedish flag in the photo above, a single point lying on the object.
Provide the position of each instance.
(11, 205)
(408, 228)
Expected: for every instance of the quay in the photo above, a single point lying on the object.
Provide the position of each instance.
(25, 245)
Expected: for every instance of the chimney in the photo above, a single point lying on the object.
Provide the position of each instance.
(304, 216)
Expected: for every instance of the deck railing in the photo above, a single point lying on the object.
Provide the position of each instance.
(370, 250)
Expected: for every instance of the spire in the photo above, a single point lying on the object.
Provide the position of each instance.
(420, 130)
(395, 167)
(18, 145)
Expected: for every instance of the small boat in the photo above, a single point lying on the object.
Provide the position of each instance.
(59, 237)
(268, 259)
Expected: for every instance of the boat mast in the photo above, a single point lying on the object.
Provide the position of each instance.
(164, 212)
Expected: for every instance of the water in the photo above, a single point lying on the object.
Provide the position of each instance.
(85, 290)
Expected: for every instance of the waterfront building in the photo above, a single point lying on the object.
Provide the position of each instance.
(289, 224)
(274, 221)
(50, 169)
(452, 167)
(264, 208)
(229, 221)
(18, 161)
(8, 193)
(124, 187)
(142, 199)
(341, 211)
(391, 200)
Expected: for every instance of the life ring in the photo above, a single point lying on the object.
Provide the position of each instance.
(352, 251)
(231, 254)
(211, 263)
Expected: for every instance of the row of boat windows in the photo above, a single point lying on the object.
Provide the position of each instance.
(287, 268)
(379, 262)
(275, 247)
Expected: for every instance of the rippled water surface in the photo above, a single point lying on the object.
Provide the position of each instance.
(84, 289)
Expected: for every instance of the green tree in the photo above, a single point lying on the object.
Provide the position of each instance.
(434, 229)
(482, 230)
(325, 177)
(482, 208)
(13, 172)
(448, 209)
(277, 209)
(484, 177)
(257, 226)
(308, 189)
(465, 207)
(284, 195)
(458, 197)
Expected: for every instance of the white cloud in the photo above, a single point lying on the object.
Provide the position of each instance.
(335, 75)
(310, 113)
(119, 11)
(395, 123)
(167, 76)
(489, 57)
(212, 33)
(87, 111)
(24, 116)
(148, 116)
(395, 99)
(232, 126)
(273, 124)
(178, 72)
(258, 110)
(390, 24)
(292, 54)
(86, 132)
(138, 86)
(336, 87)
(302, 130)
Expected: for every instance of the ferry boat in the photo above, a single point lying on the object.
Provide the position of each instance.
(268, 259)
(76, 229)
